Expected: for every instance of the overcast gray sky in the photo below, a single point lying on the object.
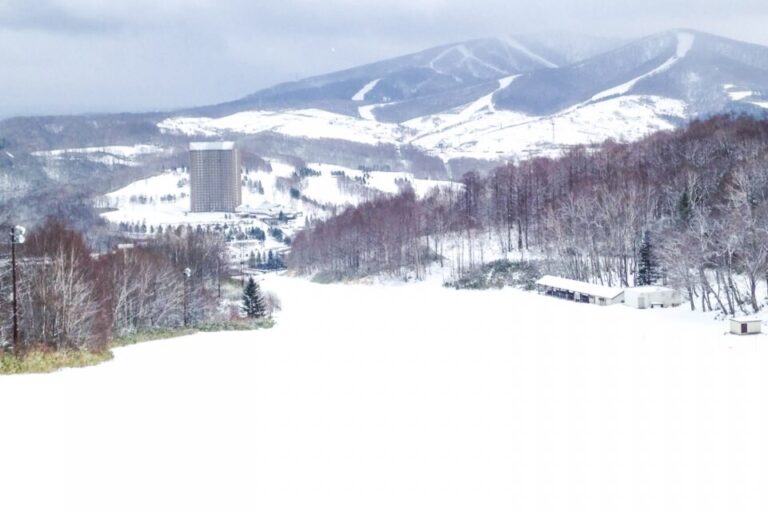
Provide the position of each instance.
(69, 56)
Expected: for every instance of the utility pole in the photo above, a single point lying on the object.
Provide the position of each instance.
(187, 275)
(17, 237)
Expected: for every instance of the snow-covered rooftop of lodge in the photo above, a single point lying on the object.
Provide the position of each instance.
(579, 286)
(211, 146)
(746, 319)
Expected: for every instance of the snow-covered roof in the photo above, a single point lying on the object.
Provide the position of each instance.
(211, 146)
(746, 319)
(595, 290)
(648, 289)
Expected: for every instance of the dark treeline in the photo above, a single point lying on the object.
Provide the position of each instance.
(72, 299)
(687, 207)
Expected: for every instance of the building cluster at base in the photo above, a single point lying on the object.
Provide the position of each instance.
(640, 297)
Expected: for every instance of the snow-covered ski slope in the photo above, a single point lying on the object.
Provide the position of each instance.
(475, 130)
(310, 123)
(360, 95)
(407, 398)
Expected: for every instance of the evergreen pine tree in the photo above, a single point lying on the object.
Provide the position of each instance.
(252, 260)
(254, 304)
(647, 269)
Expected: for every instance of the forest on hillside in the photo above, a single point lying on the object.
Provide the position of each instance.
(687, 207)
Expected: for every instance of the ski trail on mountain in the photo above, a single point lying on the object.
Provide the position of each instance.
(466, 57)
(485, 103)
(515, 44)
(684, 45)
(360, 95)
(469, 56)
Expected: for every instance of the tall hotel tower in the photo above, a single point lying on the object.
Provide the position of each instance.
(214, 176)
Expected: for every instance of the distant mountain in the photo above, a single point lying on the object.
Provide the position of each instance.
(436, 113)
(500, 98)
(422, 83)
(705, 71)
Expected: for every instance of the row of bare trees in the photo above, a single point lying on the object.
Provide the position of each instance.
(359, 241)
(695, 199)
(72, 299)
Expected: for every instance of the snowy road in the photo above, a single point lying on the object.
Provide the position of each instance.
(407, 398)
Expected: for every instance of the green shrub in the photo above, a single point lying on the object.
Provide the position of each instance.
(498, 274)
(150, 335)
(328, 277)
(246, 324)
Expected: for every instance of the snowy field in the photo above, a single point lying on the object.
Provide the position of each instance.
(408, 398)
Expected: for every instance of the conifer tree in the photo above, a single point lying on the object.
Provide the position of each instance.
(254, 304)
(647, 269)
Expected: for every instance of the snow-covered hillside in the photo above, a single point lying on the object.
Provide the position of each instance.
(310, 123)
(163, 200)
(108, 155)
(476, 130)
(504, 134)
(362, 397)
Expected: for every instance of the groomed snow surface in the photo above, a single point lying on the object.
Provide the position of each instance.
(408, 398)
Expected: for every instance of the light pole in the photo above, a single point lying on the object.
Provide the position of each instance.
(17, 237)
(187, 275)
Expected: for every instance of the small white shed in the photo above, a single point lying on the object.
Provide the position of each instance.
(746, 325)
(643, 297)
